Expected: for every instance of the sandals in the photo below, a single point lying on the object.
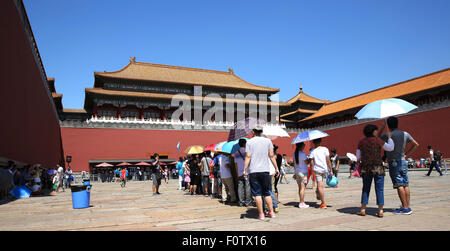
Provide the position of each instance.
(363, 213)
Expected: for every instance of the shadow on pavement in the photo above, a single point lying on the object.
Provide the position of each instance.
(369, 210)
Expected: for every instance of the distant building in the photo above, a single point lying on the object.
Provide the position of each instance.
(428, 92)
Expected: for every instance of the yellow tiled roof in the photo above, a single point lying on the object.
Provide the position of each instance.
(183, 75)
(306, 98)
(298, 111)
(429, 81)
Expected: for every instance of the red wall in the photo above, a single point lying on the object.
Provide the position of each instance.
(427, 128)
(29, 127)
(86, 144)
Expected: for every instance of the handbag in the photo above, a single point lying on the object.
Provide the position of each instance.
(158, 174)
(357, 172)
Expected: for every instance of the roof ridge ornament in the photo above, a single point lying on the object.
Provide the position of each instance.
(301, 88)
(132, 59)
(230, 70)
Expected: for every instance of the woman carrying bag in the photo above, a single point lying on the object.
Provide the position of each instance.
(369, 154)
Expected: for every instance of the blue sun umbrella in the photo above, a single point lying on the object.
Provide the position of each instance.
(308, 135)
(231, 147)
(218, 147)
(385, 108)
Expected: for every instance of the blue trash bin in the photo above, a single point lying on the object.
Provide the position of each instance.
(81, 196)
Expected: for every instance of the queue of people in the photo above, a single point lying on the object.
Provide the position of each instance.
(36, 179)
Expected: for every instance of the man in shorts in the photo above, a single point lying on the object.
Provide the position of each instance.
(398, 167)
(321, 166)
(259, 154)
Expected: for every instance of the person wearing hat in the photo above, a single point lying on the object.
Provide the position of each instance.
(257, 168)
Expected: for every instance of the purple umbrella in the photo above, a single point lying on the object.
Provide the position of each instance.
(243, 128)
(51, 171)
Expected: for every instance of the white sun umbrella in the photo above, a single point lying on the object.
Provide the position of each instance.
(273, 132)
(385, 108)
(352, 157)
(308, 135)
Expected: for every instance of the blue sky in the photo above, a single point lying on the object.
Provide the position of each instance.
(334, 49)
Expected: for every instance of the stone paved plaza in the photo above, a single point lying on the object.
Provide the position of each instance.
(134, 208)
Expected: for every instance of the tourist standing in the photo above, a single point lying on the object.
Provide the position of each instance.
(301, 172)
(310, 170)
(69, 177)
(180, 173)
(226, 179)
(156, 174)
(195, 174)
(117, 174)
(60, 178)
(321, 165)
(215, 176)
(435, 159)
(272, 189)
(283, 167)
(352, 168)
(334, 158)
(187, 175)
(123, 176)
(398, 167)
(244, 192)
(257, 168)
(206, 160)
(369, 153)
(55, 183)
(276, 178)
(6, 179)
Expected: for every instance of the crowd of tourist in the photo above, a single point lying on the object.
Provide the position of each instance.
(250, 176)
(221, 176)
(36, 180)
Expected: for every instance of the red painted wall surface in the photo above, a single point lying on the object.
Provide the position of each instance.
(87, 144)
(29, 128)
(427, 128)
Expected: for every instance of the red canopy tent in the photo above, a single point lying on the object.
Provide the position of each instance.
(104, 164)
(143, 164)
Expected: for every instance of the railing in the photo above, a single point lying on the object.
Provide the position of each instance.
(135, 123)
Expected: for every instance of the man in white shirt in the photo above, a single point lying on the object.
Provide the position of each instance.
(257, 167)
(227, 179)
(321, 165)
